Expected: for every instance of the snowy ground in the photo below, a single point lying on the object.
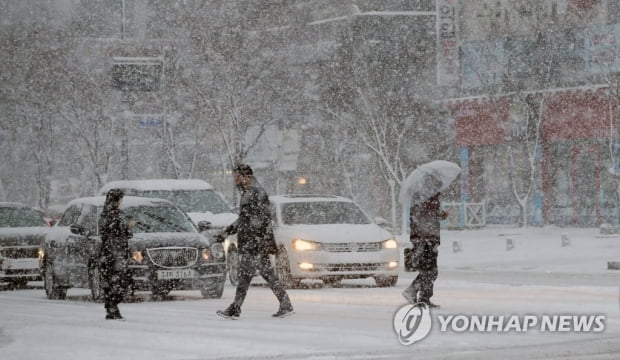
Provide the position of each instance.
(538, 276)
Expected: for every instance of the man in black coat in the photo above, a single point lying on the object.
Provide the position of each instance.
(115, 235)
(425, 239)
(256, 243)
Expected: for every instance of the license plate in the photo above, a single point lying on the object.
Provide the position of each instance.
(176, 274)
(21, 264)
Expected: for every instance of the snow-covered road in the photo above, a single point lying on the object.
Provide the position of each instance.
(350, 322)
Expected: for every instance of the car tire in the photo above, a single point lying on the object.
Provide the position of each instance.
(213, 292)
(94, 282)
(18, 283)
(386, 281)
(160, 291)
(283, 270)
(52, 290)
(232, 263)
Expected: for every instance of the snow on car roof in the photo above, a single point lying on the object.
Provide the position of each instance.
(128, 201)
(157, 184)
(13, 204)
(306, 198)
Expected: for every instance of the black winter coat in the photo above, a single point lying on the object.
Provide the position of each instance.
(425, 219)
(253, 226)
(115, 235)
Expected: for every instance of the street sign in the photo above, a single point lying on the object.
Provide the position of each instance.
(149, 120)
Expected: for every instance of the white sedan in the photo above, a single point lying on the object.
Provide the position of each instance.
(330, 238)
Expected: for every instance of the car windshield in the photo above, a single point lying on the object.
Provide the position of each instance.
(323, 212)
(153, 219)
(192, 200)
(20, 217)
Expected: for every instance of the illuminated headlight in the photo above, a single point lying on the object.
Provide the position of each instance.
(41, 253)
(206, 254)
(392, 264)
(137, 256)
(303, 245)
(390, 244)
(217, 250)
(306, 266)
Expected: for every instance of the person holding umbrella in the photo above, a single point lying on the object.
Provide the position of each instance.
(425, 239)
(422, 190)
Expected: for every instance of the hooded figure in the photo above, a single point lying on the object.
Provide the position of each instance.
(115, 234)
(424, 236)
(256, 242)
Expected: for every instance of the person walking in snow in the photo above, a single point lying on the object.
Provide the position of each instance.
(425, 238)
(256, 242)
(115, 234)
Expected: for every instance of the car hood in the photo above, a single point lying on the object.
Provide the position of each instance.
(217, 220)
(336, 233)
(152, 240)
(22, 236)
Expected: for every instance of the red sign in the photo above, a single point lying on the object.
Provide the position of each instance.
(575, 115)
(480, 122)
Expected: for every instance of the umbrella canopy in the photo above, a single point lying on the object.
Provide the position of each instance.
(427, 180)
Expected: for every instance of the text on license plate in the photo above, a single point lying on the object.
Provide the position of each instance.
(176, 274)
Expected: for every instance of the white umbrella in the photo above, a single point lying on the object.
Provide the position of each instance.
(427, 180)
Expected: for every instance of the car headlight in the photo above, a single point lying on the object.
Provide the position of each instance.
(206, 254)
(303, 245)
(217, 250)
(137, 256)
(41, 253)
(390, 244)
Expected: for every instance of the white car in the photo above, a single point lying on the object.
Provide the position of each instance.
(330, 238)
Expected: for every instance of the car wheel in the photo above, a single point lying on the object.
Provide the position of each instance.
(52, 290)
(94, 281)
(332, 280)
(283, 270)
(213, 292)
(233, 266)
(18, 283)
(160, 290)
(386, 281)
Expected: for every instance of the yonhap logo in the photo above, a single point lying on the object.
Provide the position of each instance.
(412, 323)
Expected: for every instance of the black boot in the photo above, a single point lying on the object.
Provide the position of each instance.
(112, 313)
(232, 312)
(285, 310)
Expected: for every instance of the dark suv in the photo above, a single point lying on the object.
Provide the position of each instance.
(166, 250)
(22, 230)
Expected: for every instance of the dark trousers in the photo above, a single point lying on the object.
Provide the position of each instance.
(425, 256)
(115, 281)
(247, 268)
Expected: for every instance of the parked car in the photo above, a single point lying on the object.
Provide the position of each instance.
(22, 230)
(166, 251)
(198, 199)
(330, 238)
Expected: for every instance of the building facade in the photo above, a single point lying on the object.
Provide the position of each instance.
(535, 109)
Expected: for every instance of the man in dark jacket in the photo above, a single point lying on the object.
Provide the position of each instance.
(425, 239)
(115, 235)
(255, 241)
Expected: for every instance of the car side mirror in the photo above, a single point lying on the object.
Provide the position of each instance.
(78, 230)
(204, 225)
(381, 222)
